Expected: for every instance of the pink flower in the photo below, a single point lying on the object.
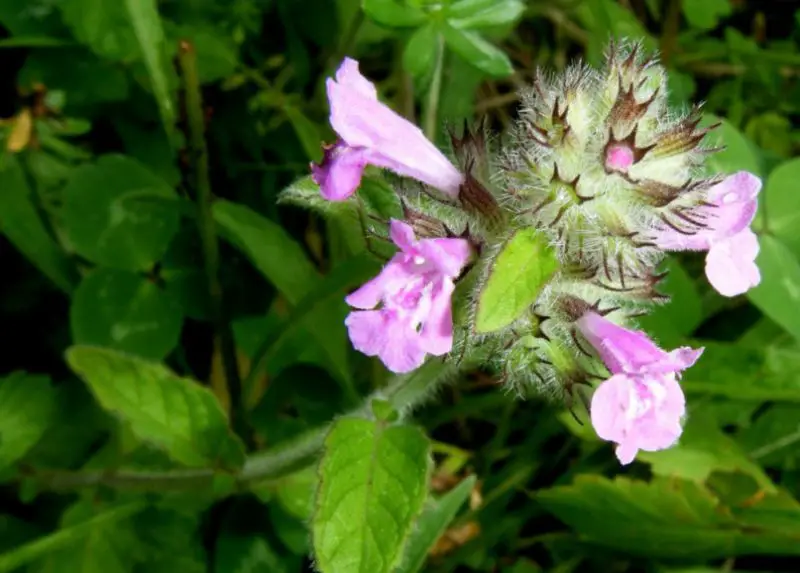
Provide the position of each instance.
(372, 134)
(414, 290)
(641, 406)
(732, 247)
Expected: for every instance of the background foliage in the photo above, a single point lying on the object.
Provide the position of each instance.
(172, 338)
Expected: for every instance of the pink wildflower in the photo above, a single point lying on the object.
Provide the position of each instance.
(373, 134)
(732, 247)
(414, 290)
(641, 406)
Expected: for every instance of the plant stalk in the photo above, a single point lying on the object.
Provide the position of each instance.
(431, 118)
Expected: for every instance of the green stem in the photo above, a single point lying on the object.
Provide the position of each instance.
(431, 118)
(187, 58)
(405, 393)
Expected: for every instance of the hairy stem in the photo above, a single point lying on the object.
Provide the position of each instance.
(187, 58)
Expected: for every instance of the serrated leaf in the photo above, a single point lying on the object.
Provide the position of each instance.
(27, 405)
(516, 277)
(373, 482)
(119, 214)
(125, 311)
(393, 13)
(477, 51)
(419, 54)
(21, 223)
(778, 294)
(467, 14)
(432, 524)
(68, 535)
(104, 548)
(240, 554)
(174, 413)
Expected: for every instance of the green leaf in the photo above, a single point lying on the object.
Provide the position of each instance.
(419, 54)
(778, 294)
(27, 405)
(217, 54)
(102, 26)
(373, 483)
(240, 554)
(670, 323)
(174, 413)
(393, 13)
(68, 535)
(307, 132)
(706, 14)
(119, 214)
(172, 540)
(738, 153)
(21, 224)
(478, 52)
(125, 311)
(772, 439)
(781, 204)
(103, 549)
(146, 23)
(484, 13)
(432, 524)
(517, 275)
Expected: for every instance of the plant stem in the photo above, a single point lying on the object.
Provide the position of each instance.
(187, 58)
(432, 108)
(405, 393)
(669, 32)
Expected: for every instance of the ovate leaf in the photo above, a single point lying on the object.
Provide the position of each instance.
(373, 482)
(485, 13)
(102, 26)
(160, 407)
(432, 524)
(27, 405)
(737, 153)
(478, 52)
(125, 311)
(516, 277)
(393, 13)
(119, 214)
(705, 15)
(781, 204)
(778, 294)
(419, 54)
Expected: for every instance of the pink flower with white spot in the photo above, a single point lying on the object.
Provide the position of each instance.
(413, 290)
(373, 134)
(641, 406)
(732, 247)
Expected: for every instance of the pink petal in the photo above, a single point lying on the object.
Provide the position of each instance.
(730, 264)
(619, 157)
(383, 334)
(448, 255)
(674, 361)
(392, 278)
(626, 453)
(402, 235)
(621, 350)
(339, 174)
(349, 75)
(436, 335)
(735, 200)
(607, 410)
(368, 331)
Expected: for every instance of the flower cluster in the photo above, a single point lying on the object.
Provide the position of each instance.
(609, 179)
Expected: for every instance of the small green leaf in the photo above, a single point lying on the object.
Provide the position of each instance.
(484, 13)
(27, 405)
(307, 132)
(432, 524)
(125, 311)
(21, 224)
(778, 294)
(146, 22)
(176, 414)
(419, 54)
(393, 13)
(119, 214)
(373, 483)
(478, 52)
(241, 554)
(68, 535)
(781, 204)
(705, 14)
(517, 275)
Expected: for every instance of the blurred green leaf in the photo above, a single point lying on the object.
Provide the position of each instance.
(394, 13)
(102, 26)
(176, 414)
(477, 51)
(517, 275)
(419, 54)
(295, 493)
(738, 153)
(217, 54)
(27, 406)
(778, 294)
(432, 524)
(373, 482)
(780, 205)
(119, 214)
(773, 437)
(307, 132)
(240, 554)
(670, 323)
(125, 311)
(705, 14)
(22, 224)
(484, 13)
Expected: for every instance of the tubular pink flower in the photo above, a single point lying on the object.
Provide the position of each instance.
(371, 133)
(414, 291)
(641, 406)
(732, 247)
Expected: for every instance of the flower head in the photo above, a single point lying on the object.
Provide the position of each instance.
(641, 406)
(371, 133)
(732, 247)
(414, 291)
